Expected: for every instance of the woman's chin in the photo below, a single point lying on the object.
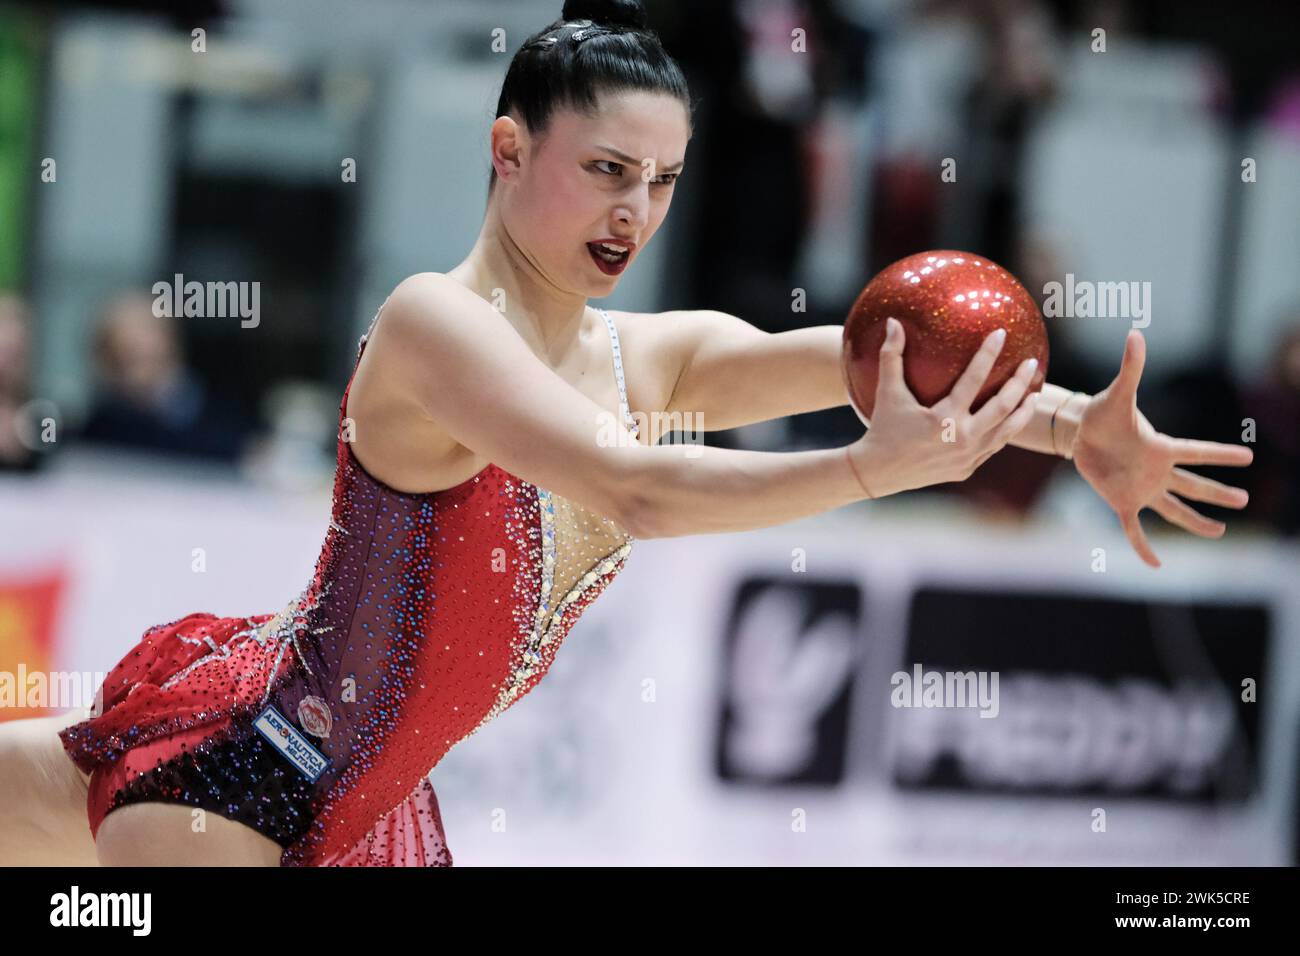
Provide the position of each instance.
(599, 284)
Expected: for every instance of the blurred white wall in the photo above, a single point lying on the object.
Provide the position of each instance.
(1128, 178)
(613, 758)
(1268, 280)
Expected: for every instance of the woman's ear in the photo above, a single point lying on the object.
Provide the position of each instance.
(507, 147)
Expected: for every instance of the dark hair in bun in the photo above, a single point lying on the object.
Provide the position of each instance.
(599, 46)
(627, 13)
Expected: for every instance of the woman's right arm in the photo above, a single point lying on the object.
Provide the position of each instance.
(476, 378)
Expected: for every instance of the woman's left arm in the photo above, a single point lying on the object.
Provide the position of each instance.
(732, 373)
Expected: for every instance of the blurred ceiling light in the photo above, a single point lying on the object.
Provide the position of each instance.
(168, 60)
(226, 67)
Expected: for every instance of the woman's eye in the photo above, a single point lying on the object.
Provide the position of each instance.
(612, 168)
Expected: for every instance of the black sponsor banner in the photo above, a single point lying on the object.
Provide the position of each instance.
(1061, 693)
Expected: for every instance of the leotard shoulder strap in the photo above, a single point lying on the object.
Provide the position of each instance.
(618, 372)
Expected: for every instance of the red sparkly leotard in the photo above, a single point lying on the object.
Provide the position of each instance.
(427, 615)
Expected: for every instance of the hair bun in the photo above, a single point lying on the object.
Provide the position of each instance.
(627, 13)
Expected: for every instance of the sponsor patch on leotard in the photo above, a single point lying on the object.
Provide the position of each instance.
(284, 736)
(314, 715)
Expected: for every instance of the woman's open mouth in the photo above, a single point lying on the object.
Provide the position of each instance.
(609, 259)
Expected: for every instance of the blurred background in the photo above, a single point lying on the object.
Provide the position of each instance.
(732, 698)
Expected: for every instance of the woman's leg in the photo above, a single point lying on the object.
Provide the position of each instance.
(42, 796)
(170, 834)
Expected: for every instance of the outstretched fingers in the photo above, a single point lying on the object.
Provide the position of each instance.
(1124, 387)
(1199, 488)
(1180, 513)
(1138, 538)
(1194, 451)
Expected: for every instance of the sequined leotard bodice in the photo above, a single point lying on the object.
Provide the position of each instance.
(426, 616)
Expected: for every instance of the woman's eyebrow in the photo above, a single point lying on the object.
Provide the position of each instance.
(625, 158)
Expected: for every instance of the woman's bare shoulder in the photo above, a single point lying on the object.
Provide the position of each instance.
(427, 295)
(393, 437)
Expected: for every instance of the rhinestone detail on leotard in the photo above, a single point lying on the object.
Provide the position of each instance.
(427, 615)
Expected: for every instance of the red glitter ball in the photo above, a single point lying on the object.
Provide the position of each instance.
(948, 302)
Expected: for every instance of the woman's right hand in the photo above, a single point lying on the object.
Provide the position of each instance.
(911, 446)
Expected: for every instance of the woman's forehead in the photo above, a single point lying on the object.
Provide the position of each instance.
(635, 123)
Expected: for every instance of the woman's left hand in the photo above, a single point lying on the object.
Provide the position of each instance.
(1133, 466)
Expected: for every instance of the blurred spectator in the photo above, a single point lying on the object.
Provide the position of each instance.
(1274, 404)
(1284, 113)
(147, 399)
(758, 100)
(762, 72)
(15, 356)
(1016, 83)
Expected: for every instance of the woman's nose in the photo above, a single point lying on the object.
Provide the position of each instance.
(635, 211)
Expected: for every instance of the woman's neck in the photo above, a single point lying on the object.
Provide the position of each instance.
(498, 270)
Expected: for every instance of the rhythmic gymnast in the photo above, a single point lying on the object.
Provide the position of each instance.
(486, 493)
